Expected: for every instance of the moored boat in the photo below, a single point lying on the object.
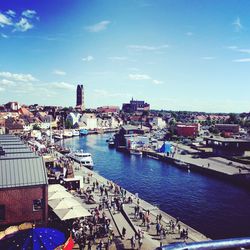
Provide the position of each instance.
(85, 159)
(135, 152)
(83, 132)
(75, 132)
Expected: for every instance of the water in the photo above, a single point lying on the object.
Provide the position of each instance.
(214, 207)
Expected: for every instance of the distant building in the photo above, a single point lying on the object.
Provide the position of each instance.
(12, 106)
(134, 106)
(80, 97)
(73, 118)
(88, 121)
(23, 186)
(187, 130)
(109, 110)
(230, 128)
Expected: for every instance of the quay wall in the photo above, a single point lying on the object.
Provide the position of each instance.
(239, 179)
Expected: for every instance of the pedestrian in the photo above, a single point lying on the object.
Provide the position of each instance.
(140, 243)
(132, 242)
(123, 232)
(89, 245)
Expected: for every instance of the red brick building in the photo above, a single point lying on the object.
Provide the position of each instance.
(187, 130)
(230, 128)
(23, 184)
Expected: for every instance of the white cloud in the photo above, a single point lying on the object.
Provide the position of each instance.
(6, 82)
(208, 58)
(237, 24)
(1, 89)
(245, 51)
(147, 47)
(62, 85)
(4, 36)
(23, 25)
(29, 13)
(88, 58)
(4, 20)
(18, 77)
(232, 47)
(98, 26)
(157, 82)
(139, 77)
(11, 13)
(242, 60)
(118, 58)
(189, 33)
(59, 72)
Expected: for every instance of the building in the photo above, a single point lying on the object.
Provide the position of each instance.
(23, 185)
(229, 128)
(73, 118)
(228, 146)
(187, 130)
(109, 110)
(88, 121)
(80, 97)
(134, 106)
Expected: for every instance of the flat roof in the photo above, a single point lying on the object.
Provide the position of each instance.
(222, 139)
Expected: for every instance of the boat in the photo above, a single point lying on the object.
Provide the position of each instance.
(153, 157)
(67, 134)
(83, 132)
(85, 159)
(57, 136)
(64, 151)
(75, 132)
(111, 143)
(135, 152)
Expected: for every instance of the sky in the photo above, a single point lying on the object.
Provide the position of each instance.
(174, 54)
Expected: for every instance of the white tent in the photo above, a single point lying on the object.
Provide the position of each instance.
(56, 188)
(63, 203)
(71, 213)
(59, 195)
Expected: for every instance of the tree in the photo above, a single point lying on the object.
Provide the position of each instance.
(68, 124)
(36, 127)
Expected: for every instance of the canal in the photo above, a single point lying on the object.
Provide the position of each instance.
(214, 207)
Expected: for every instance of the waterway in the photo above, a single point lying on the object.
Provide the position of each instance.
(214, 207)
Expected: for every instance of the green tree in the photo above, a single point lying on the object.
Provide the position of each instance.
(68, 124)
(36, 127)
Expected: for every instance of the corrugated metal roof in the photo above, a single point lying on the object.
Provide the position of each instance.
(20, 166)
(22, 172)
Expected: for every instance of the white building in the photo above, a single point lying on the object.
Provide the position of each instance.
(88, 121)
(73, 118)
(159, 122)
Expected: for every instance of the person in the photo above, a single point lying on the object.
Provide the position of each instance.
(89, 245)
(132, 242)
(140, 243)
(123, 232)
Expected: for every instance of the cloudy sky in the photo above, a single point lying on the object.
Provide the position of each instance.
(178, 55)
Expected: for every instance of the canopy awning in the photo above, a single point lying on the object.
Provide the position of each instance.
(59, 195)
(72, 213)
(63, 203)
(55, 188)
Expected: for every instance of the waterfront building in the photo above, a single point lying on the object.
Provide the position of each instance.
(23, 186)
(135, 105)
(228, 146)
(159, 122)
(229, 128)
(73, 118)
(80, 97)
(88, 121)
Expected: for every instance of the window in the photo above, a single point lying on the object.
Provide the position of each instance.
(37, 205)
(2, 212)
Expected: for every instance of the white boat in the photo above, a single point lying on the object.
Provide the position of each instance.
(135, 152)
(75, 132)
(111, 143)
(67, 134)
(85, 159)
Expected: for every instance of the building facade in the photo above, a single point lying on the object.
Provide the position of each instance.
(80, 97)
(24, 185)
(134, 106)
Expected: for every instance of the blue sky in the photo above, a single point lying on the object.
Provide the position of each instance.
(178, 55)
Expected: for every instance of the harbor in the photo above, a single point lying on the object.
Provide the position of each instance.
(168, 187)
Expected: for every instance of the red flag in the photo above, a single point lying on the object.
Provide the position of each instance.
(69, 244)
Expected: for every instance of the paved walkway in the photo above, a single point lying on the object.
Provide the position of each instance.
(150, 239)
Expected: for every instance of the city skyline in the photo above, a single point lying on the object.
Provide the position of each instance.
(172, 54)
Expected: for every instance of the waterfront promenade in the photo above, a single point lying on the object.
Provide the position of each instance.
(126, 217)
